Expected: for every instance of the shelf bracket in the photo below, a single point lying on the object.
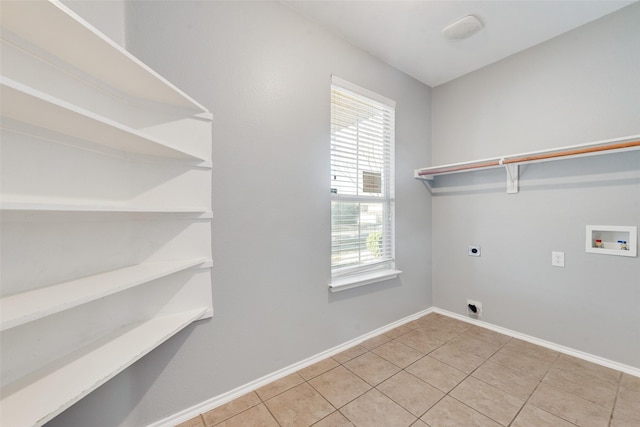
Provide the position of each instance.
(426, 180)
(512, 176)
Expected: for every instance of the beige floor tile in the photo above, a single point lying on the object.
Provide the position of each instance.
(372, 368)
(415, 323)
(421, 340)
(402, 377)
(570, 407)
(531, 350)
(445, 322)
(339, 386)
(279, 386)
(410, 392)
(375, 409)
(436, 373)
(458, 357)
(258, 416)
(583, 385)
(476, 345)
(585, 368)
(627, 413)
(451, 413)
(318, 368)
(427, 319)
(520, 362)
(230, 409)
(630, 383)
(441, 332)
(299, 406)
(530, 416)
(402, 329)
(622, 421)
(441, 335)
(492, 402)
(513, 382)
(397, 353)
(193, 422)
(334, 420)
(627, 407)
(377, 341)
(350, 353)
(488, 335)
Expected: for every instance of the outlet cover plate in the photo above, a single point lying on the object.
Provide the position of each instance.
(478, 313)
(474, 250)
(557, 259)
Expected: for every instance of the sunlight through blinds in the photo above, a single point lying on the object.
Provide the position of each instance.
(362, 205)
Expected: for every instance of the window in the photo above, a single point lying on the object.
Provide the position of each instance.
(362, 203)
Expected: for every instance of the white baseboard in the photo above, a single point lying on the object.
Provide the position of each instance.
(220, 400)
(550, 345)
(216, 401)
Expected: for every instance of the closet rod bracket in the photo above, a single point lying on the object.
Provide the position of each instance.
(512, 176)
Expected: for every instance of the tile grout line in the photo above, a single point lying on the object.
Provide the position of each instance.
(264, 402)
(318, 391)
(548, 385)
(534, 390)
(615, 400)
(529, 397)
(445, 394)
(241, 412)
(479, 379)
(372, 387)
(471, 374)
(419, 417)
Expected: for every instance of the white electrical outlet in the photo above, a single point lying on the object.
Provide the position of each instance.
(471, 304)
(557, 259)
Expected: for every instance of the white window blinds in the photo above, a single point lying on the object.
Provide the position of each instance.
(362, 205)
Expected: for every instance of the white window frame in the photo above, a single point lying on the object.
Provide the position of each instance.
(370, 271)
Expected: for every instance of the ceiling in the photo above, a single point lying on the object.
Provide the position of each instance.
(407, 34)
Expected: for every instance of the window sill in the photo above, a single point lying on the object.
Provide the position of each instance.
(345, 283)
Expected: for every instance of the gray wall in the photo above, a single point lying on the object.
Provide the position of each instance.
(264, 72)
(576, 88)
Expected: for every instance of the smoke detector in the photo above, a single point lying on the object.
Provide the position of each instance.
(463, 28)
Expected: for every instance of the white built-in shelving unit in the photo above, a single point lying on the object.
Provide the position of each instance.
(105, 205)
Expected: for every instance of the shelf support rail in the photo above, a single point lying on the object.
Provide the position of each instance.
(510, 163)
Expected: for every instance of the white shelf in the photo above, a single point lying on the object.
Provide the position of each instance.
(16, 310)
(15, 206)
(89, 53)
(511, 162)
(629, 143)
(25, 104)
(62, 383)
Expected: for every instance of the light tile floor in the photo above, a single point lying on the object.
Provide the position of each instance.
(438, 371)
